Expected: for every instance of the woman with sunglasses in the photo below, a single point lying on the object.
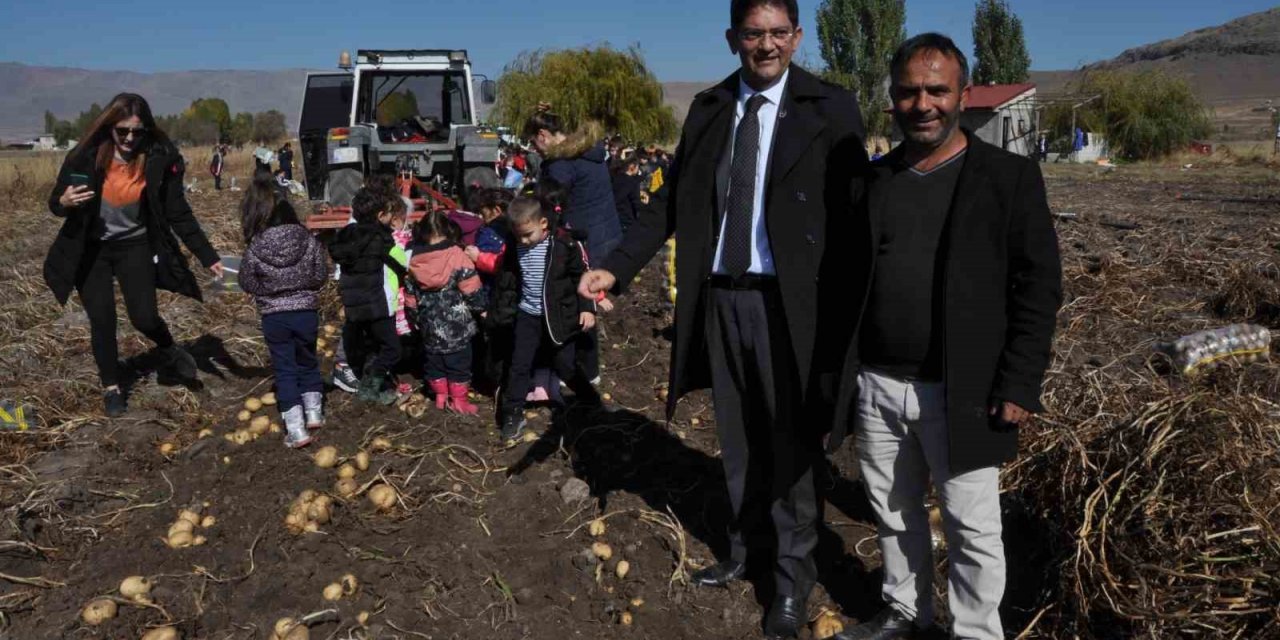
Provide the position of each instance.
(120, 191)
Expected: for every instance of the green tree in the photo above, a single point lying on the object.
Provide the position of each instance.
(858, 38)
(50, 122)
(269, 126)
(614, 88)
(86, 118)
(64, 132)
(1000, 50)
(1143, 115)
(213, 110)
(241, 128)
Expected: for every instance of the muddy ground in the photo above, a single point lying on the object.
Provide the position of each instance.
(482, 543)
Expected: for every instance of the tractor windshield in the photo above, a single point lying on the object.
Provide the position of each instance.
(422, 103)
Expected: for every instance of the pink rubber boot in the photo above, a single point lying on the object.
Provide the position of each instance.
(458, 399)
(441, 390)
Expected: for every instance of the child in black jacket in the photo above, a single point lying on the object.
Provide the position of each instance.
(536, 294)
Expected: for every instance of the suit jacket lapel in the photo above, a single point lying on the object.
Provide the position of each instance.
(797, 126)
(711, 133)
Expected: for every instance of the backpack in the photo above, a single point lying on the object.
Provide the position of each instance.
(215, 165)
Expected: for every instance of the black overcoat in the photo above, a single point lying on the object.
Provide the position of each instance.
(817, 148)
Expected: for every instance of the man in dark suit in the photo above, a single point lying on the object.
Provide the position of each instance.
(955, 335)
(759, 180)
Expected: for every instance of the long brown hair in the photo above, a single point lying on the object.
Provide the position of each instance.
(97, 137)
(264, 207)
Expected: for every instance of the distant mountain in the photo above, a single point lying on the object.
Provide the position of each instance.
(1234, 67)
(29, 91)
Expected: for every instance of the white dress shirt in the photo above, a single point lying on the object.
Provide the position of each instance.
(761, 253)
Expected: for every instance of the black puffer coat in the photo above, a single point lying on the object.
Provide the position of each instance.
(165, 214)
(372, 270)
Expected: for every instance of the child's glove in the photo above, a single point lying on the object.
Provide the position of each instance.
(605, 304)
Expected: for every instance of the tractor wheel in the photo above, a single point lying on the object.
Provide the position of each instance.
(342, 186)
(485, 177)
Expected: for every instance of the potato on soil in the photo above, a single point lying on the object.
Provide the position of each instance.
(288, 629)
(333, 592)
(260, 425)
(162, 633)
(382, 496)
(268, 399)
(362, 461)
(346, 487)
(98, 612)
(622, 569)
(346, 471)
(326, 457)
(602, 551)
(252, 404)
(597, 527)
(135, 586)
(826, 626)
(244, 415)
(380, 443)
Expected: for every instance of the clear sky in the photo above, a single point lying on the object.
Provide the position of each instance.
(681, 39)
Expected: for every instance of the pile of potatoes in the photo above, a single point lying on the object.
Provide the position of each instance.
(254, 427)
(183, 531)
(307, 512)
(604, 553)
(621, 569)
(383, 496)
(415, 406)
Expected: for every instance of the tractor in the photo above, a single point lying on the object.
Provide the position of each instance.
(411, 113)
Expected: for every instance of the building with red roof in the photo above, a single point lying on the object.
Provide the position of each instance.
(1001, 114)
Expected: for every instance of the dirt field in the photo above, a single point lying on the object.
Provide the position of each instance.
(482, 542)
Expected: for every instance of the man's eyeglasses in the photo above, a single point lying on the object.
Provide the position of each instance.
(756, 35)
(123, 132)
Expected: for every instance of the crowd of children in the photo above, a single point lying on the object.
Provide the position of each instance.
(459, 299)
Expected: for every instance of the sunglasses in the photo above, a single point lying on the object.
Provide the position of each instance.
(123, 132)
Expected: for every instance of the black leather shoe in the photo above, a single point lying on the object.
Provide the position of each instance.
(720, 574)
(785, 617)
(887, 625)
